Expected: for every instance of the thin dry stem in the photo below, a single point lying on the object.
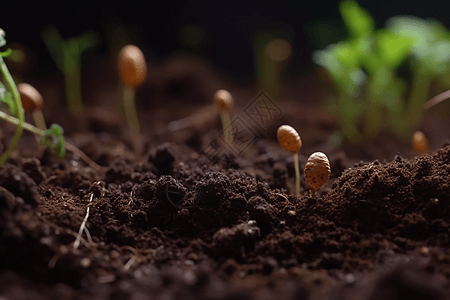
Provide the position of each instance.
(83, 224)
(436, 99)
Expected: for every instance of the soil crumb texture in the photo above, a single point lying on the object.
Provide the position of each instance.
(174, 222)
(171, 227)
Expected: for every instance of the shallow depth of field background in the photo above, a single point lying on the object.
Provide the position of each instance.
(221, 32)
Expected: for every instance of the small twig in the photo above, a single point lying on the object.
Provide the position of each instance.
(131, 199)
(50, 179)
(436, 99)
(89, 237)
(83, 224)
(130, 262)
(282, 196)
(129, 248)
(83, 156)
(82, 240)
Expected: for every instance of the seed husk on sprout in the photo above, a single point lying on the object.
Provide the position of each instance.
(33, 102)
(132, 71)
(419, 142)
(317, 171)
(290, 140)
(132, 66)
(224, 103)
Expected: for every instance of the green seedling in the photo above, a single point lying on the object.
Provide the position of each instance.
(67, 56)
(11, 98)
(270, 57)
(52, 137)
(317, 172)
(364, 71)
(32, 102)
(289, 139)
(132, 71)
(224, 103)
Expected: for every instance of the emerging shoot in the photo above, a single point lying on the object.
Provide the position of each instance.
(317, 171)
(67, 57)
(12, 98)
(132, 71)
(289, 139)
(419, 142)
(32, 102)
(224, 102)
(9, 94)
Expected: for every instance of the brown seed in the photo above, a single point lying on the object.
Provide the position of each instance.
(223, 100)
(419, 142)
(132, 66)
(317, 171)
(31, 98)
(289, 139)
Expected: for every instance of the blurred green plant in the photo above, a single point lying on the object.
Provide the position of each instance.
(67, 56)
(370, 94)
(271, 53)
(12, 100)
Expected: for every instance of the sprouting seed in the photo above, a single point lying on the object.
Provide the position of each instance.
(289, 139)
(32, 102)
(419, 142)
(224, 102)
(132, 72)
(317, 171)
(132, 66)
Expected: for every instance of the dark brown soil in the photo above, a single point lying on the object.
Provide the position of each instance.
(173, 223)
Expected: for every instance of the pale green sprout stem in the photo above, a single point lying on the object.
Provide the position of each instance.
(129, 105)
(132, 71)
(19, 129)
(67, 57)
(224, 102)
(39, 120)
(297, 175)
(289, 140)
(270, 57)
(225, 118)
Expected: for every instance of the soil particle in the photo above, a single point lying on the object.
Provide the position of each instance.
(406, 283)
(262, 212)
(19, 184)
(234, 242)
(163, 159)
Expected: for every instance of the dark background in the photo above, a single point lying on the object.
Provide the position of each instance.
(227, 27)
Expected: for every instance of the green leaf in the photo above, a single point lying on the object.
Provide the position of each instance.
(54, 42)
(359, 22)
(2, 38)
(438, 60)
(86, 40)
(420, 33)
(368, 58)
(6, 97)
(393, 48)
(6, 53)
(3, 43)
(346, 55)
(54, 139)
(328, 59)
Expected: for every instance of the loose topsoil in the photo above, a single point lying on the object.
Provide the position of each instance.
(176, 222)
